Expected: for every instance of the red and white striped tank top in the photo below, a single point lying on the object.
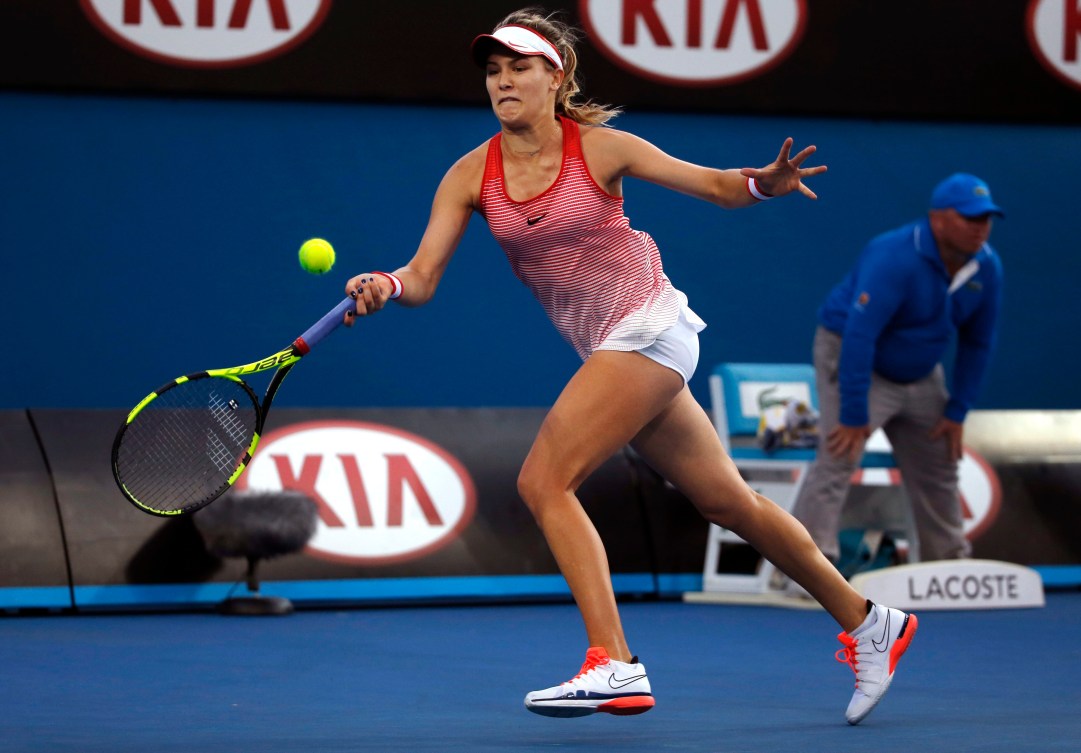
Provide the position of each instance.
(599, 280)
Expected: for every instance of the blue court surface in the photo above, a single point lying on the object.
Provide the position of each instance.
(452, 678)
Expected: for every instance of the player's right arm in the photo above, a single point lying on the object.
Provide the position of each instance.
(457, 197)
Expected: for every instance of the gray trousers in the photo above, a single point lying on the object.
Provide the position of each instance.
(907, 413)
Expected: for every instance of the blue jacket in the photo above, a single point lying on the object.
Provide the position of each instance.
(897, 317)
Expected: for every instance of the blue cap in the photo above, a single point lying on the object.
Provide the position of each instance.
(966, 193)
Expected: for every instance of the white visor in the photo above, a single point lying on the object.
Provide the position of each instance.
(517, 39)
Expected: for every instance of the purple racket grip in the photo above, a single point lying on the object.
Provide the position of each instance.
(324, 326)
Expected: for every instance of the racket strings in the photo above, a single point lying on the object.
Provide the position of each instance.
(221, 451)
(183, 447)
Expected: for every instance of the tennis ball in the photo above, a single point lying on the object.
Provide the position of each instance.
(316, 256)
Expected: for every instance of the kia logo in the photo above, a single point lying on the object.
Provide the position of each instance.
(383, 495)
(695, 42)
(207, 33)
(1054, 33)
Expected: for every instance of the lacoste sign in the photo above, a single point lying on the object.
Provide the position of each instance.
(953, 584)
(207, 33)
(695, 42)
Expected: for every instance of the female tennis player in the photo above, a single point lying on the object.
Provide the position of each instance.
(549, 185)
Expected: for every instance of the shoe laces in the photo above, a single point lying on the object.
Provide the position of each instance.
(848, 654)
(594, 658)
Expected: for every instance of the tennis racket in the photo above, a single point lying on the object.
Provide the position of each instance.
(188, 442)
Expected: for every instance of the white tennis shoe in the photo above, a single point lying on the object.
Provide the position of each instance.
(873, 650)
(603, 684)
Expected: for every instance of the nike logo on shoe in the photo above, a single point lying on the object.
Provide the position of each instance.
(880, 645)
(615, 683)
(535, 220)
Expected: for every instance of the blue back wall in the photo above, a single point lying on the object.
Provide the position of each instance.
(147, 238)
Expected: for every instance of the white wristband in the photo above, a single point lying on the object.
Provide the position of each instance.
(755, 191)
(395, 281)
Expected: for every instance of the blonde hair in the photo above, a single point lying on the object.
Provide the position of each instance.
(563, 37)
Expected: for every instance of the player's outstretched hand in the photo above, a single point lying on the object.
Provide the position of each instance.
(786, 173)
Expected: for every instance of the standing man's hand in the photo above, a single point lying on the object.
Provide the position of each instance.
(954, 434)
(848, 441)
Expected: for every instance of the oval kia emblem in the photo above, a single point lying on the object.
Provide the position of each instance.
(207, 33)
(1054, 34)
(383, 495)
(695, 43)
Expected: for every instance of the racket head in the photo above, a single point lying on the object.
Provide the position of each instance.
(186, 443)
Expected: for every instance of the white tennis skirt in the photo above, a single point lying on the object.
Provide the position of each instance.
(675, 347)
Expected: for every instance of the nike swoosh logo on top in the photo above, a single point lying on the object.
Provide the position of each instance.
(535, 220)
(615, 682)
(880, 645)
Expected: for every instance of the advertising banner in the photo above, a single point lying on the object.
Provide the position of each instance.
(1015, 60)
(404, 497)
(953, 584)
(423, 504)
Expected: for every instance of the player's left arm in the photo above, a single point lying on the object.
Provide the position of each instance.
(612, 155)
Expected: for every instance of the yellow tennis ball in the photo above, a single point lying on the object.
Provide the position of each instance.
(316, 256)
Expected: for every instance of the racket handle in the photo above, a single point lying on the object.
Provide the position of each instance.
(324, 326)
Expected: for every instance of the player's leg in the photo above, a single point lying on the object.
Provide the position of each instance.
(608, 400)
(929, 475)
(682, 446)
